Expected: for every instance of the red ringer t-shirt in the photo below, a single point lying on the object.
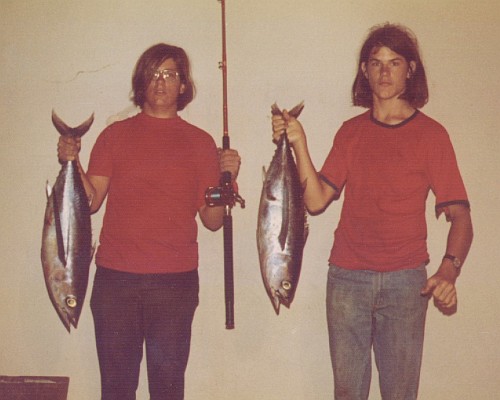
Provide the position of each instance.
(159, 170)
(386, 173)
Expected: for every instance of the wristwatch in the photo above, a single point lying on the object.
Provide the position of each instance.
(456, 261)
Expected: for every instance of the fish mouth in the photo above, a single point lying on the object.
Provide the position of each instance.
(278, 298)
(276, 304)
(67, 319)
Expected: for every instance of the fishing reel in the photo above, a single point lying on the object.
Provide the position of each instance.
(223, 195)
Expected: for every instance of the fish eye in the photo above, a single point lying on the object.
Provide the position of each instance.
(71, 301)
(287, 285)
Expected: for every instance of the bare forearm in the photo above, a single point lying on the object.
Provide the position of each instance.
(459, 239)
(442, 284)
(89, 188)
(460, 236)
(96, 188)
(317, 194)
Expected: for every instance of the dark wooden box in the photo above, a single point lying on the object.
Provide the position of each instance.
(33, 387)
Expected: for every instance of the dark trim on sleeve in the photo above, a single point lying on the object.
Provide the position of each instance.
(449, 203)
(322, 177)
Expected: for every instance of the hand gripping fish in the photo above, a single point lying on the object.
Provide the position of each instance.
(66, 240)
(282, 228)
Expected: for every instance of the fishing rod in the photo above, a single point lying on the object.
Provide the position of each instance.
(225, 195)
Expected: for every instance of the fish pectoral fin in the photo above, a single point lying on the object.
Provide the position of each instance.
(67, 244)
(282, 237)
(285, 221)
(269, 194)
(270, 197)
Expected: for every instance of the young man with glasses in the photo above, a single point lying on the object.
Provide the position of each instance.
(154, 169)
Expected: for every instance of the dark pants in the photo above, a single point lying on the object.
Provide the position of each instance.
(130, 309)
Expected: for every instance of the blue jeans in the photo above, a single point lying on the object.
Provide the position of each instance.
(383, 310)
(130, 309)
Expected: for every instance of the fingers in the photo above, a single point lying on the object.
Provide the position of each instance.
(286, 124)
(68, 148)
(443, 292)
(289, 125)
(445, 295)
(229, 160)
(279, 126)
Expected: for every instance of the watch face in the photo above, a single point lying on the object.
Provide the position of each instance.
(456, 262)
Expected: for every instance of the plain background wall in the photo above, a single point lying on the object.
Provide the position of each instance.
(77, 57)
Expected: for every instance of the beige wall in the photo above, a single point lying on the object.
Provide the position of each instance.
(77, 57)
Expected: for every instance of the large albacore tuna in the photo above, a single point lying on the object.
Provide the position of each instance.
(282, 228)
(67, 236)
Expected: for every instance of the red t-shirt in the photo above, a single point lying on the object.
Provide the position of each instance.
(159, 170)
(386, 173)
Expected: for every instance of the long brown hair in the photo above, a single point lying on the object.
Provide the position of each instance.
(149, 61)
(401, 40)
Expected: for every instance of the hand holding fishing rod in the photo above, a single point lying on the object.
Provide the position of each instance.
(225, 194)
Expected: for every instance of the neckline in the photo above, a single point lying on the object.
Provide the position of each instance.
(389, 126)
(158, 119)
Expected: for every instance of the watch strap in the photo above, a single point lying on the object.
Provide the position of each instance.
(456, 262)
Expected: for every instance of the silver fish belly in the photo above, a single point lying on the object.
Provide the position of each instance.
(281, 227)
(67, 236)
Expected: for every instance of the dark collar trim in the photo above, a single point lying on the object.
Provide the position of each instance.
(410, 118)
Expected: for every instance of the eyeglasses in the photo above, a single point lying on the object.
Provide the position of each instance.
(167, 74)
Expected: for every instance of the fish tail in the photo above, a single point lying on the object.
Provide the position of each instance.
(294, 112)
(65, 130)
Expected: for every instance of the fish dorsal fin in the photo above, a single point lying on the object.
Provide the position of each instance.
(48, 189)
